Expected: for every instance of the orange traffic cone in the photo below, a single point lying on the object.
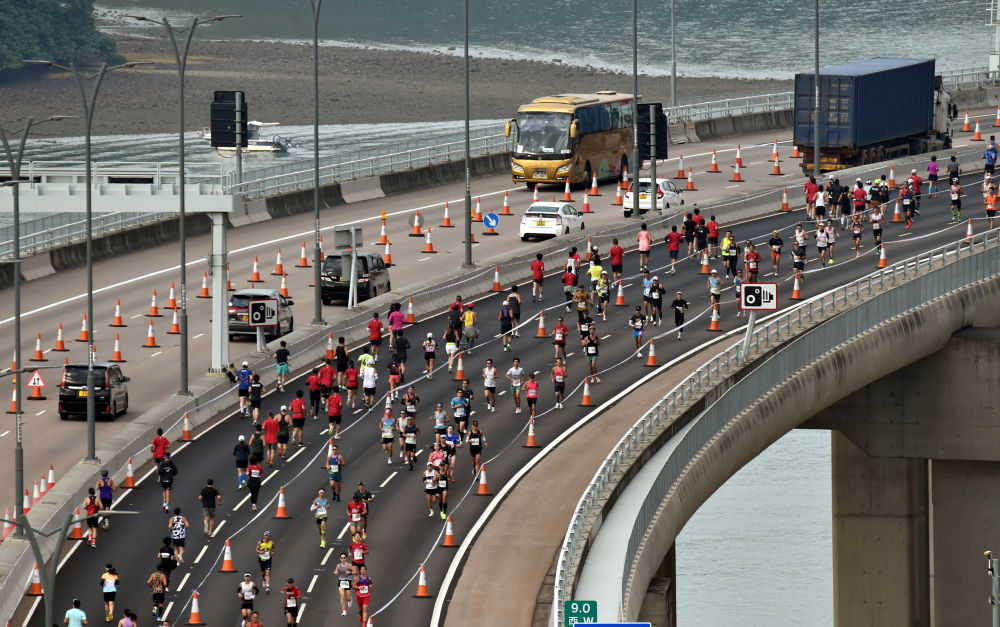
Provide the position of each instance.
(76, 532)
(175, 326)
(410, 318)
(417, 224)
(446, 221)
(618, 196)
(651, 360)
(255, 272)
(303, 258)
(739, 155)
(383, 237)
(459, 370)
(566, 195)
(154, 311)
(35, 590)
(593, 186)
(472, 237)
(586, 204)
(186, 430)
(976, 136)
(774, 151)
(624, 175)
(996, 122)
(795, 152)
(150, 338)
(36, 393)
(713, 325)
(422, 586)
(84, 331)
(52, 475)
(590, 250)
(279, 268)
(620, 300)
(541, 334)
(449, 535)
(484, 488)
(117, 320)
(892, 177)
(965, 124)
(227, 559)
(39, 355)
(94, 347)
(478, 215)
(776, 170)
(282, 509)
(428, 246)
(496, 280)
(586, 400)
(60, 342)
(35, 495)
(171, 301)
(489, 231)
(531, 442)
(116, 354)
(882, 261)
(26, 504)
(784, 200)
(9, 527)
(204, 286)
(968, 232)
(322, 256)
(714, 168)
(331, 353)
(229, 284)
(43, 485)
(736, 174)
(505, 211)
(283, 290)
(705, 269)
(680, 169)
(13, 402)
(534, 195)
(129, 476)
(896, 215)
(195, 618)
(386, 258)
(796, 294)
(690, 184)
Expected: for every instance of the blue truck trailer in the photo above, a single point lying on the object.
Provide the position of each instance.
(871, 111)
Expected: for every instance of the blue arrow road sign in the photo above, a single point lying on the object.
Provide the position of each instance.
(491, 220)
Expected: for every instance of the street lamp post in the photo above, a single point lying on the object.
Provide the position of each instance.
(317, 259)
(816, 106)
(180, 58)
(468, 158)
(88, 115)
(673, 59)
(14, 160)
(635, 109)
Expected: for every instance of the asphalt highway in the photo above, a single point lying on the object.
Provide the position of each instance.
(401, 535)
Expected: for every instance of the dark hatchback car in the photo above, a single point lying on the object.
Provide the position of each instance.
(335, 279)
(110, 390)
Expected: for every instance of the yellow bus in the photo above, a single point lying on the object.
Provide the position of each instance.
(571, 136)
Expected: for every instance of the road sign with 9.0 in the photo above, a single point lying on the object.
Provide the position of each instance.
(759, 296)
(579, 612)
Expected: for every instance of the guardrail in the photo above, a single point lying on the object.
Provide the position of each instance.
(961, 79)
(52, 233)
(873, 299)
(778, 101)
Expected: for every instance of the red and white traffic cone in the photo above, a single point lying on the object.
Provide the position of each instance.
(303, 258)
(586, 204)
(150, 338)
(534, 195)
(154, 311)
(428, 245)
(968, 232)
(117, 321)
(505, 211)
(478, 215)
(496, 281)
(541, 333)
(449, 535)
(410, 318)
(60, 342)
(39, 354)
(774, 152)
(796, 293)
(531, 441)
(586, 401)
(383, 237)
(882, 261)
(651, 360)
(681, 174)
(618, 202)
(35, 589)
(446, 221)
(84, 331)
(736, 174)
(484, 488)
(227, 559)
(279, 268)
(204, 287)
(690, 184)
(186, 430)
(784, 200)
(255, 272)
(739, 155)
(171, 301)
(422, 586)
(195, 618)
(713, 325)
(714, 168)
(593, 186)
(175, 325)
(282, 512)
(129, 476)
(52, 475)
(331, 353)
(566, 195)
(283, 290)
(620, 300)
(116, 354)
(417, 224)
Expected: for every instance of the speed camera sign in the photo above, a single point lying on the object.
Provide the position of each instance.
(759, 296)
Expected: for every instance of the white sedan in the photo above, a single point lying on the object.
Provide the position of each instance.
(667, 195)
(544, 219)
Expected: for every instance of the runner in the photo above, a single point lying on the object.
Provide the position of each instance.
(582, 301)
(253, 622)
(410, 400)
(559, 333)
(256, 394)
(342, 358)
(255, 473)
(617, 255)
(442, 485)
(401, 431)
(335, 467)
(327, 374)
(450, 447)
(363, 587)
(298, 408)
(440, 418)
(673, 240)
(701, 233)
(410, 432)
(369, 376)
(738, 289)
(637, 322)
(537, 277)
(680, 307)
(821, 244)
(282, 369)
(594, 271)
(334, 412)
(727, 250)
(688, 227)
(991, 204)
(178, 526)
(775, 244)
(246, 591)
(319, 506)
(656, 292)
(591, 348)
(284, 430)
(351, 379)
(477, 442)
(375, 330)
(452, 339)
(366, 498)
(265, 553)
(430, 348)
(799, 261)
(751, 258)
(209, 498)
(75, 617)
(157, 583)
(129, 619)
(514, 300)
(715, 285)
(956, 199)
(395, 377)
(105, 490)
(315, 392)
(819, 210)
(159, 446)
(395, 320)
(713, 237)
(810, 189)
(857, 230)
(569, 281)
(490, 384)
(515, 374)
(165, 473)
(455, 312)
(429, 478)
(531, 393)
(932, 177)
(559, 374)
(876, 220)
(645, 241)
(906, 197)
(243, 377)
(647, 283)
(831, 240)
(506, 326)
(859, 197)
(109, 587)
(357, 550)
(572, 263)
(460, 410)
(469, 328)
(167, 562)
(387, 428)
(345, 581)
(292, 595)
(603, 292)
(401, 346)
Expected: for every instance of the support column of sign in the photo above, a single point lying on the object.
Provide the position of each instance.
(220, 297)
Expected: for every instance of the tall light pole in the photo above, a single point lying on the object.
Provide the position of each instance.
(317, 259)
(14, 160)
(468, 158)
(635, 109)
(180, 59)
(816, 116)
(673, 59)
(89, 102)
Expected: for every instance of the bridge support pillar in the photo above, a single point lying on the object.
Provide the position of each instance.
(880, 538)
(220, 297)
(659, 606)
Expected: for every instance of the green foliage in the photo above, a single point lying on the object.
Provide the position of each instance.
(57, 30)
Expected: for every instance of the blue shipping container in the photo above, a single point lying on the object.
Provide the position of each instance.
(866, 103)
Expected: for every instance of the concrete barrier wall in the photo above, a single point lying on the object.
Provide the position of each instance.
(362, 189)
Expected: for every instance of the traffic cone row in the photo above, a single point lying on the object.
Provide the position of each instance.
(618, 202)
(175, 326)
(505, 211)
(484, 488)
(690, 181)
(496, 281)
(331, 353)
(620, 300)
(478, 215)
(204, 287)
(428, 246)
(84, 331)
(255, 272)
(714, 168)
(784, 200)
(283, 290)
(117, 321)
(39, 355)
(713, 324)
(186, 435)
(531, 442)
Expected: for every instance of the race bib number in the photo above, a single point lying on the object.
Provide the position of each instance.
(591, 350)
(410, 408)
(362, 590)
(320, 511)
(559, 378)
(265, 555)
(291, 602)
(334, 467)
(387, 434)
(473, 441)
(411, 439)
(345, 584)
(358, 555)
(559, 336)
(460, 412)
(355, 517)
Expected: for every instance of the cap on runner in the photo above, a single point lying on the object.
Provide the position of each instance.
(284, 407)
(247, 575)
(267, 533)
(243, 438)
(430, 335)
(245, 364)
(713, 272)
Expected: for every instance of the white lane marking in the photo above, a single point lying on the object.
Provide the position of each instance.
(604, 337)
(136, 316)
(4, 433)
(417, 454)
(201, 553)
(41, 412)
(183, 581)
(156, 353)
(240, 504)
(326, 557)
(312, 582)
(358, 411)
(731, 186)
(215, 531)
(568, 355)
(423, 259)
(343, 531)
(34, 604)
(302, 610)
(197, 336)
(166, 611)
(296, 453)
(536, 372)
(47, 350)
(501, 392)
(388, 479)
(268, 478)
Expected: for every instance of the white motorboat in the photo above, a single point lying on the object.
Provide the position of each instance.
(256, 141)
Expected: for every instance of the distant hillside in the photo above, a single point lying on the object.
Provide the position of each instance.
(56, 30)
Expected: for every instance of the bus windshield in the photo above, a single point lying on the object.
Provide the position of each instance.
(541, 134)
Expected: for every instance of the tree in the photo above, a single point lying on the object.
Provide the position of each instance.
(60, 30)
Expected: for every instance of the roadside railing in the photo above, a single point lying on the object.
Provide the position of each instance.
(963, 79)
(778, 101)
(47, 232)
(872, 300)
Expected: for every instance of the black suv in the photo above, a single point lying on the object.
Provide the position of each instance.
(335, 280)
(110, 391)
